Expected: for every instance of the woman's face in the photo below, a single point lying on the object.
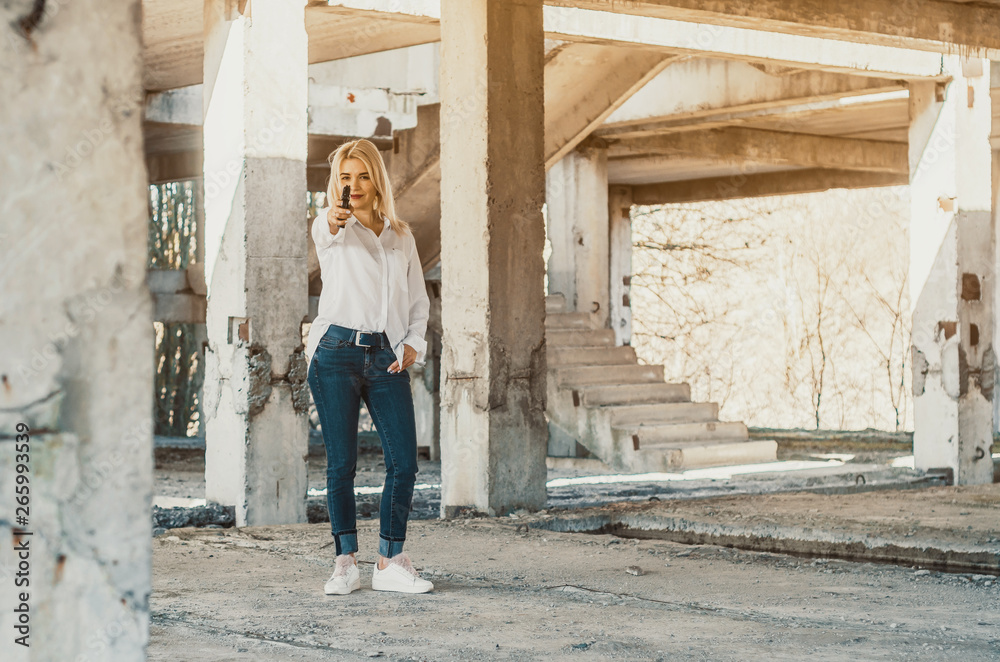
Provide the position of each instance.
(354, 173)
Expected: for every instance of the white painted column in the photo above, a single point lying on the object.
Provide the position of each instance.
(620, 247)
(493, 429)
(576, 193)
(256, 396)
(952, 272)
(76, 335)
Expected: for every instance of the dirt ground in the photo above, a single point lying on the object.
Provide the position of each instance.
(505, 593)
(511, 589)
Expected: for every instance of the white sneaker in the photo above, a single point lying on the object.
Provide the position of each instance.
(345, 578)
(399, 575)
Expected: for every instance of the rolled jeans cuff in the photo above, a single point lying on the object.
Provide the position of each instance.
(389, 548)
(347, 543)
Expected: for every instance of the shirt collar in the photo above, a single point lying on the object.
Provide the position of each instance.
(385, 220)
(386, 223)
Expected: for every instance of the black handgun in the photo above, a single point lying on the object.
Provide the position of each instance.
(345, 197)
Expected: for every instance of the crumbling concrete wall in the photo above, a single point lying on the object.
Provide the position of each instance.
(76, 333)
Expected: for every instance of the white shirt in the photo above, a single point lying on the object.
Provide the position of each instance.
(370, 283)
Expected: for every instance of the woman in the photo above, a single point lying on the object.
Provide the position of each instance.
(371, 323)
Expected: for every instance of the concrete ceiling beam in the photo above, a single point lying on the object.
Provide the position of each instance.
(335, 35)
(737, 43)
(760, 185)
(179, 155)
(772, 148)
(725, 92)
(927, 25)
(622, 28)
(584, 85)
(334, 110)
(182, 105)
(427, 12)
(790, 115)
(177, 295)
(174, 166)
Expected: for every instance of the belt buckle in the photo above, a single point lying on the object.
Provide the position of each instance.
(357, 339)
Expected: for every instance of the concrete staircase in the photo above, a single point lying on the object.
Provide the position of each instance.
(624, 413)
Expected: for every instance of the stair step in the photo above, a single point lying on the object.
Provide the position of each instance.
(633, 394)
(708, 454)
(569, 321)
(605, 374)
(560, 356)
(671, 412)
(665, 436)
(555, 303)
(581, 337)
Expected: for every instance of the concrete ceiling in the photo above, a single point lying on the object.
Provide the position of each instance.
(172, 30)
(173, 33)
(173, 38)
(173, 46)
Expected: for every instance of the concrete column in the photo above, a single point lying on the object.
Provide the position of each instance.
(620, 233)
(199, 220)
(995, 75)
(425, 380)
(196, 272)
(256, 395)
(76, 335)
(576, 193)
(952, 272)
(493, 430)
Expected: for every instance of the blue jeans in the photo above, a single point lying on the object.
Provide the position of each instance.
(341, 375)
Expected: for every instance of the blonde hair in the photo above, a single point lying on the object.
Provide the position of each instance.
(367, 153)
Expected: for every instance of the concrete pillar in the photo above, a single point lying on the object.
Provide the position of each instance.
(196, 273)
(576, 193)
(76, 335)
(493, 430)
(256, 395)
(620, 247)
(995, 74)
(425, 380)
(952, 272)
(199, 220)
